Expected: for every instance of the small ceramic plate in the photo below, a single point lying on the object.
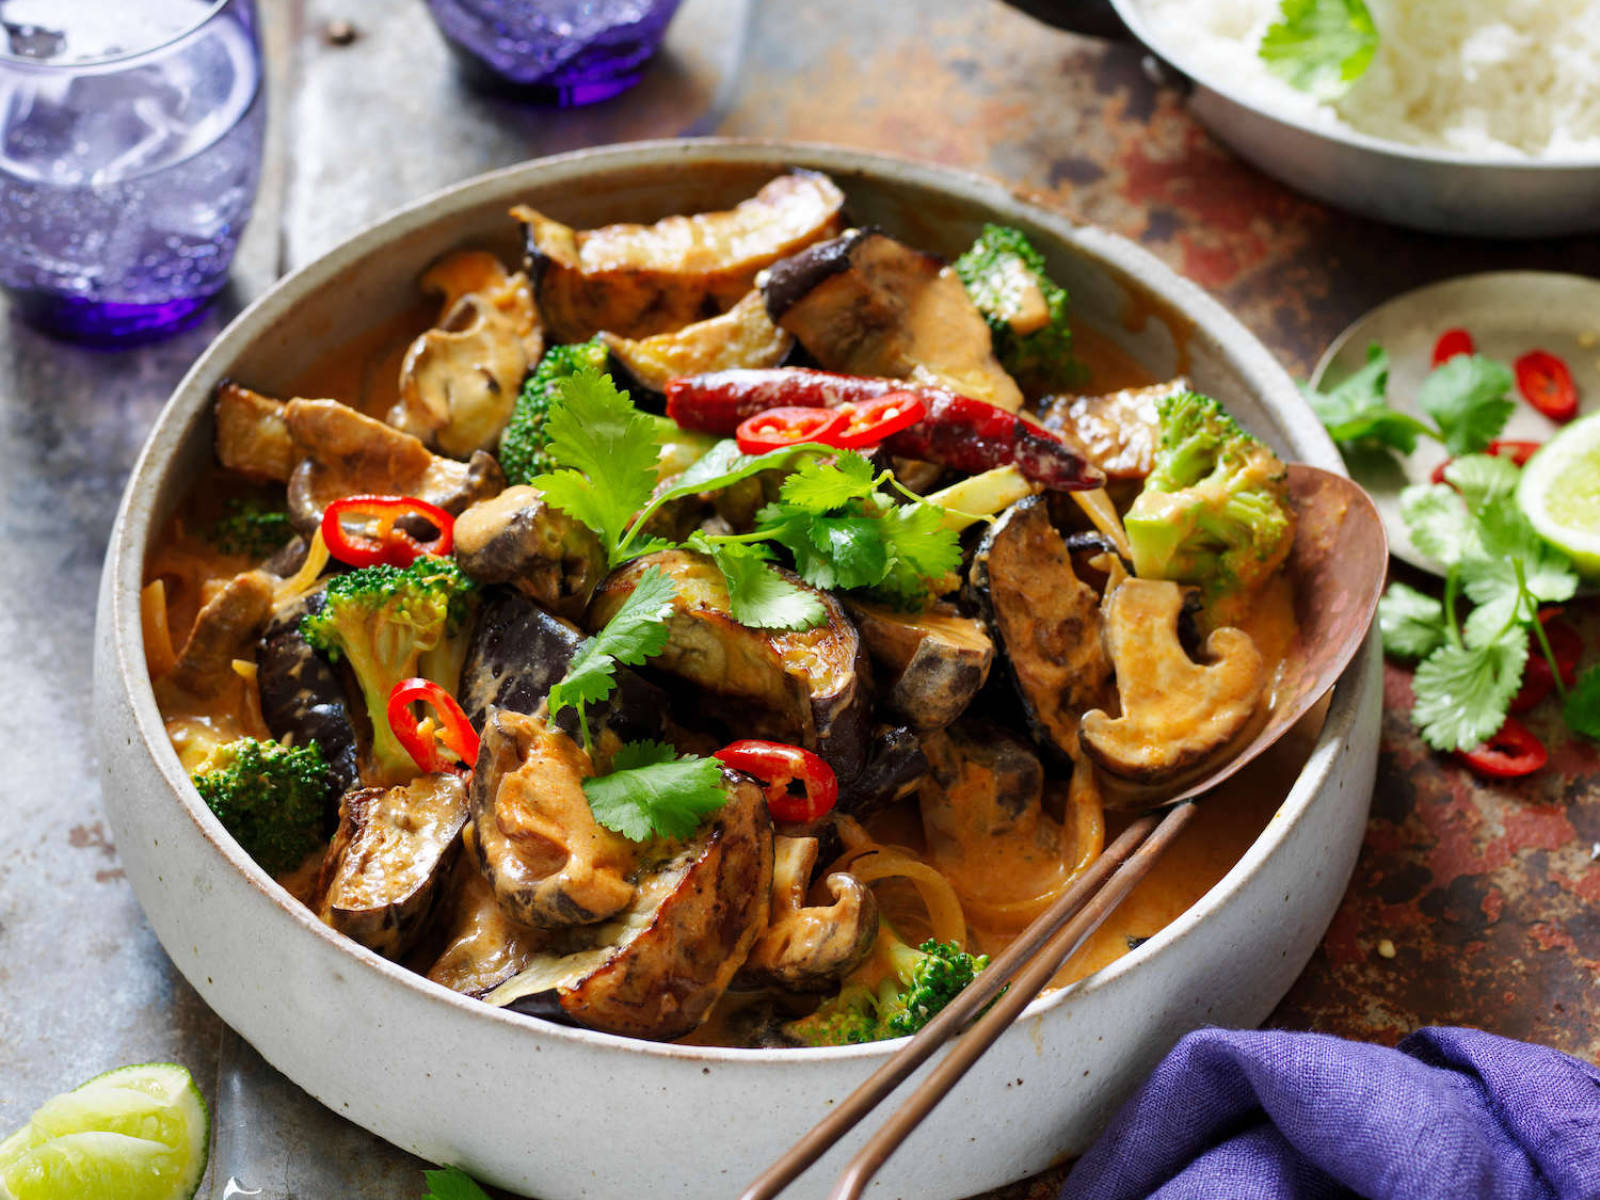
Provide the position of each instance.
(1508, 313)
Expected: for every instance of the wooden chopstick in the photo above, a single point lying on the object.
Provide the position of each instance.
(1033, 959)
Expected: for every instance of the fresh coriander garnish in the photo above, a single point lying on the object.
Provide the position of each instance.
(652, 791)
(1320, 46)
(452, 1183)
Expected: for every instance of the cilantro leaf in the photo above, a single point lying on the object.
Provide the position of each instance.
(1438, 521)
(1582, 710)
(819, 486)
(638, 631)
(724, 465)
(1320, 46)
(652, 792)
(1510, 571)
(759, 597)
(452, 1183)
(918, 536)
(1411, 622)
(1482, 478)
(1468, 397)
(1462, 692)
(1356, 410)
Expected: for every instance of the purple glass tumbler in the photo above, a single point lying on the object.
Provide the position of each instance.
(560, 52)
(130, 151)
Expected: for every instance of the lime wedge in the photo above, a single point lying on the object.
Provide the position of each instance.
(1560, 492)
(136, 1133)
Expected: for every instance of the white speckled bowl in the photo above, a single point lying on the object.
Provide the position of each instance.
(558, 1112)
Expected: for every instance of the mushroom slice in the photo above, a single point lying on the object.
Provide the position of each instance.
(808, 948)
(393, 848)
(482, 946)
(809, 687)
(937, 659)
(866, 304)
(459, 381)
(1117, 432)
(551, 864)
(639, 280)
(1176, 713)
(225, 629)
(252, 435)
(517, 538)
(744, 336)
(348, 454)
(656, 970)
(1045, 617)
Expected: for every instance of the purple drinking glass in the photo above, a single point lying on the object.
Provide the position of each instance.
(560, 52)
(130, 151)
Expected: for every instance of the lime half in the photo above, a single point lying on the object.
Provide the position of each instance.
(136, 1133)
(1560, 492)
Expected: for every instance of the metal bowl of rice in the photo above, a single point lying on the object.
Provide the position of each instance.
(1473, 116)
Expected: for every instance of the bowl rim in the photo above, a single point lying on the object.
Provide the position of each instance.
(1132, 14)
(133, 529)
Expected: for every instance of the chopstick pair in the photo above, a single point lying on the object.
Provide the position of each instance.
(1023, 969)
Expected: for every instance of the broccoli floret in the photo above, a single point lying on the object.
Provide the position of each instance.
(523, 453)
(390, 624)
(251, 527)
(918, 983)
(273, 799)
(1026, 311)
(1215, 510)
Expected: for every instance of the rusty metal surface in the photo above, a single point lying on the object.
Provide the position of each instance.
(1487, 898)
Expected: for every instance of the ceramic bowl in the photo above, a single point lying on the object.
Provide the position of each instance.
(557, 1112)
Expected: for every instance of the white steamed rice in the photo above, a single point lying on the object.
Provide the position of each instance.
(1497, 78)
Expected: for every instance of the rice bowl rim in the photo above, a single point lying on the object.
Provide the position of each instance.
(1132, 15)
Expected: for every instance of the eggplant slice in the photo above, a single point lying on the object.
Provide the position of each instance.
(810, 687)
(656, 970)
(482, 946)
(744, 336)
(936, 660)
(639, 280)
(394, 848)
(1045, 617)
(866, 304)
(517, 538)
(301, 695)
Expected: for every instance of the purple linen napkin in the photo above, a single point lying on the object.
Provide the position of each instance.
(1450, 1114)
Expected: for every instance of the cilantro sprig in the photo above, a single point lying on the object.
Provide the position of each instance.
(1320, 46)
(452, 1183)
(653, 791)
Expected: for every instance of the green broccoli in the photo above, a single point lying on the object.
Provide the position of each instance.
(523, 444)
(1215, 510)
(251, 527)
(1026, 311)
(920, 981)
(273, 799)
(391, 624)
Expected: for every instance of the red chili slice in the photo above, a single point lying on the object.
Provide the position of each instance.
(1510, 754)
(423, 745)
(1537, 680)
(1546, 383)
(1518, 452)
(788, 426)
(364, 531)
(868, 422)
(778, 765)
(1451, 343)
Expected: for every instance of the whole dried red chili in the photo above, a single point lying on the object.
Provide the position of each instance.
(423, 744)
(1546, 383)
(1451, 343)
(777, 765)
(1510, 754)
(365, 531)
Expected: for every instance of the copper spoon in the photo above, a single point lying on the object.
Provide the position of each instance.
(1338, 564)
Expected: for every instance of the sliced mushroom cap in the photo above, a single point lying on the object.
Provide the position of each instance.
(1117, 432)
(302, 697)
(935, 661)
(551, 864)
(518, 539)
(656, 970)
(394, 848)
(807, 948)
(482, 946)
(252, 435)
(810, 687)
(1047, 620)
(744, 336)
(459, 381)
(866, 304)
(639, 280)
(1176, 713)
(224, 629)
(348, 454)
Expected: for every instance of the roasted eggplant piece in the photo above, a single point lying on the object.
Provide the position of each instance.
(482, 946)
(639, 280)
(302, 698)
(811, 688)
(656, 970)
(933, 662)
(518, 539)
(1117, 432)
(1046, 619)
(865, 304)
(895, 766)
(744, 336)
(393, 849)
(989, 780)
(348, 454)
(1176, 713)
(810, 948)
(252, 435)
